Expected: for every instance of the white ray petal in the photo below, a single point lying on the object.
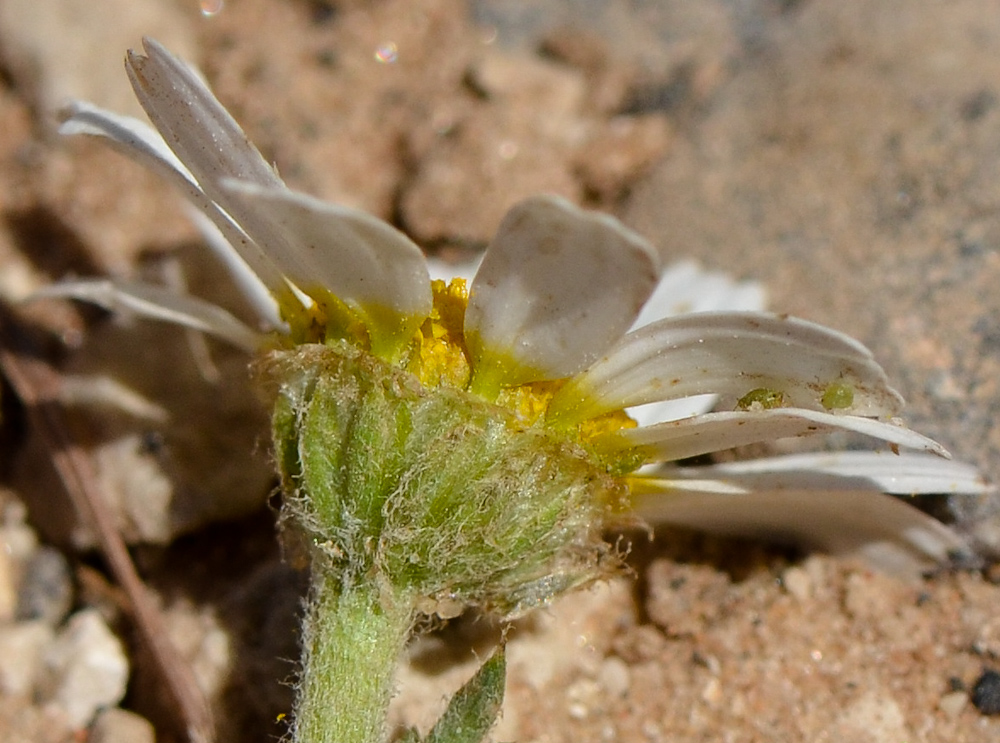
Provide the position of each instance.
(194, 124)
(212, 146)
(363, 261)
(893, 534)
(713, 432)
(729, 353)
(157, 303)
(908, 473)
(686, 287)
(139, 141)
(557, 286)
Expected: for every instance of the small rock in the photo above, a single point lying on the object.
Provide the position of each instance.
(871, 597)
(18, 544)
(121, 726)
(953, 703)
(199, 637)
(584, 698)
(873, 718)
(21, 648)
(530, 80)
(46, 591)
(614, 676)
(711, 693)
(986, 693)
(797, 582)
(618, 153)
(578, 48)
(85, 668)
(17, 539)
(507, 150)
(987, 639)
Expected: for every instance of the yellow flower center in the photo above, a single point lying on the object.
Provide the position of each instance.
(439, 357)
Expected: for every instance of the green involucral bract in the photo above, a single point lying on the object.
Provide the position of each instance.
(434, 492)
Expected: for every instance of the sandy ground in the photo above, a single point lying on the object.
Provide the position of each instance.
(844, 154)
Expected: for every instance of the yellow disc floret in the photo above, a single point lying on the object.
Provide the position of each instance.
(440, 357)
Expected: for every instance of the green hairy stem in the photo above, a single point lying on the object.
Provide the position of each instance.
(352, 639)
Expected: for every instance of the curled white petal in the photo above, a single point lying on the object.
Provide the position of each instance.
(729, 353)
(557, 286)
(836, 519)
(363, 261)
(713, 432)
(157, 303)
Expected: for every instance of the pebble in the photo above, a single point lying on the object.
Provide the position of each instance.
(986, 693)
(953, 703)
(121, 726)
(46, 590)
(584, 697)
(85, 669)
(711, 693)
(21, 648)
(17, 539)
(614, 677)
(798, 583)
(873, 717)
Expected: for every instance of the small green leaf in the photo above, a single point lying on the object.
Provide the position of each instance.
(476, 706)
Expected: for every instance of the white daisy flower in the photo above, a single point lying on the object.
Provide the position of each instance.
(563, 297)
(443, 446)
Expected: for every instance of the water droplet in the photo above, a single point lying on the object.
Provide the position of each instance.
(210, 7)
(387, 52)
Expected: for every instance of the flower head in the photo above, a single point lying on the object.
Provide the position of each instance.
(469, 442)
